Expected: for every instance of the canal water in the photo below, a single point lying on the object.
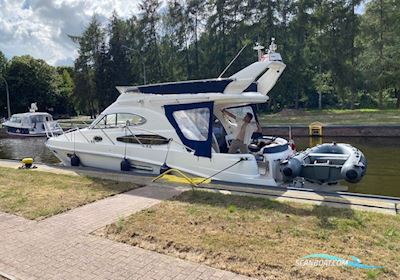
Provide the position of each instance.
(383, 154)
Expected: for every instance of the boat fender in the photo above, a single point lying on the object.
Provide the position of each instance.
(291, 168)
(164, 168)
(75, 160)
(125, 165)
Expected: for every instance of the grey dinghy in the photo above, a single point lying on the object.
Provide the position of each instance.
(326, 163)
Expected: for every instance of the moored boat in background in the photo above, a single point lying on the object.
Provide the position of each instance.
(32, 124)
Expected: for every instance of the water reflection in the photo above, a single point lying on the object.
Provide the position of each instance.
(18, 148)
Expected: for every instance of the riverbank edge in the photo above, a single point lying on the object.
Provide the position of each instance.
(390, 130)
(334, 130)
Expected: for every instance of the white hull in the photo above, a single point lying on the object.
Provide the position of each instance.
(150, 159)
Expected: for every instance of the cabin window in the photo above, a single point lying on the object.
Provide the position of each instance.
(119, 120)
(145, 139)
(16, 119)
(193, 123)
(37, 119)
(130, 119)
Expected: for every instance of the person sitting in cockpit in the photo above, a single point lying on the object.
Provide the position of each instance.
(243, 132)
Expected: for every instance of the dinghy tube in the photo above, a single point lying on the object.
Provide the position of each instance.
(326, 163)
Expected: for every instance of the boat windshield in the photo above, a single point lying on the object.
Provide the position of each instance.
(40, 118)
(15, 119)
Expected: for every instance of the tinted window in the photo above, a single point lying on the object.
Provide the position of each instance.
(145, 139)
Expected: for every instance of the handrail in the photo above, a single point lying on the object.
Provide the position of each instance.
(78, 129)
(107, 136)
(137, 139)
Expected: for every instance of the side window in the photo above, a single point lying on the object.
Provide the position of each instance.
(101, 123)
(111, 121)
(131, 119)
(193, 123)
(119, 120)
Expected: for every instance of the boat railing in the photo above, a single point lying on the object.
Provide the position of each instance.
(65, 133)
(136, 138)
(52, 128)
(108, 137)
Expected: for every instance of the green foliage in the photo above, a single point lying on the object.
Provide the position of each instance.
(335, 58)
(31, 80)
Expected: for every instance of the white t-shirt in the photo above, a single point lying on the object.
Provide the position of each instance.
(250, 129)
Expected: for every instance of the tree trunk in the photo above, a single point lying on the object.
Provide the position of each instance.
(296, 101)
(319, 101)
(196, 44)
(397, 92)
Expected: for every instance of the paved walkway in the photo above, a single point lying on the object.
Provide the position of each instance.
(61, 247)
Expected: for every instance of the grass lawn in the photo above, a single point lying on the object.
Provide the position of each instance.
(36, 195)
(263, 238)
(340, 117)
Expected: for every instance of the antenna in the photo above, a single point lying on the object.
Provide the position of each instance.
(232, 61)
(259, 49)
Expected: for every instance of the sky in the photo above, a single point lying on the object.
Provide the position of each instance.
(41, 27)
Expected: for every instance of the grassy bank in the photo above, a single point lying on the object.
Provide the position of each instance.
(37, 195)
(339, 117)
(263, 238)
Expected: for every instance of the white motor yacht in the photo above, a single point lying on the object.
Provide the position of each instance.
(182, 125)
(32, 124)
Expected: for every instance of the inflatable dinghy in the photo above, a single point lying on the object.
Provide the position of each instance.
(326, 163)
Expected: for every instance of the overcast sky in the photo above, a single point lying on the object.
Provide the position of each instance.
(40, 27)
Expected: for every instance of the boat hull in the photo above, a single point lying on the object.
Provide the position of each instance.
(243, 168)
(26, 132)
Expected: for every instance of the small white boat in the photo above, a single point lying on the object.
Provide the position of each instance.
(32, 124)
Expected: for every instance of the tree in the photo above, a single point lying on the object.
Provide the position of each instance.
(323, 84)
(89, 48)
(64, 90)
(380, 42)
(31, 80)
(3, 90)
(148, 23)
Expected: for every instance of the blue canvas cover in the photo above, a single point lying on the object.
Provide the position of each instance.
(190, 87)
(193, 124)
